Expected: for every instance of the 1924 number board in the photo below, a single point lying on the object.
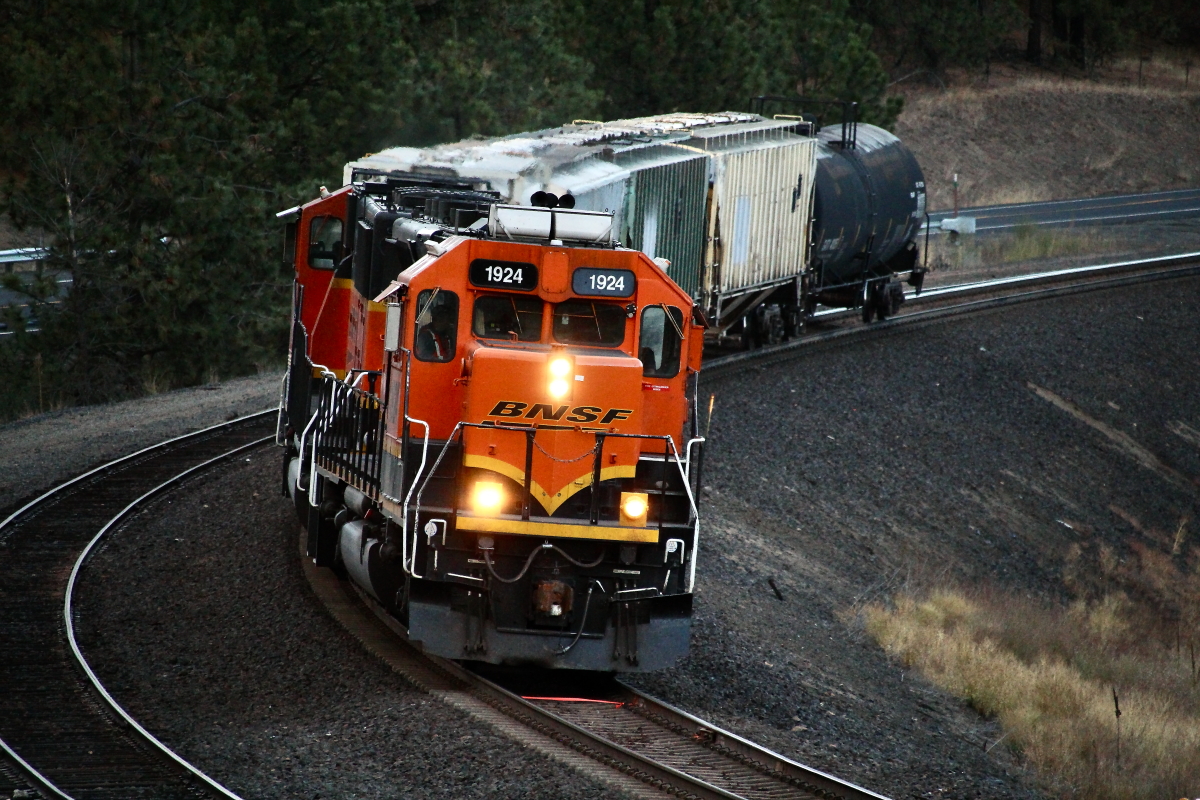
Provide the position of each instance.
(503, 274)
(593, 282)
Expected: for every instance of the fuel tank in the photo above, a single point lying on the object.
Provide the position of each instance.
(868, 206)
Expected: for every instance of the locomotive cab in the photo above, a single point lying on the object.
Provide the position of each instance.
(511, 468)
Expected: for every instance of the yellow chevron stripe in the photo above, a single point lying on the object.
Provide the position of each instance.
(551, 504)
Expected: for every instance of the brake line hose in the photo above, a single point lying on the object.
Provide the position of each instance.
(487, 559)
(582, 620)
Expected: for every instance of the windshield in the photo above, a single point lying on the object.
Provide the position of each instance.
(508, 317)
(588, 322)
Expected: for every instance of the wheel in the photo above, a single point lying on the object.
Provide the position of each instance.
(772, 326)
(884, 307)
(749, 339)
(793, 322)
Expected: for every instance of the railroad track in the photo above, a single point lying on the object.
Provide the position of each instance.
(660, 750)
(949, 301)
(72, 740)
(61, 729)
(599, 725)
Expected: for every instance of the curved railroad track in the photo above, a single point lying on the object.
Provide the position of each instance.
(653, 745)
(598, 725)
(72, 740)
(944, 302)
(58, 725)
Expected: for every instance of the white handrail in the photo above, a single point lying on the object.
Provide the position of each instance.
(410, 568)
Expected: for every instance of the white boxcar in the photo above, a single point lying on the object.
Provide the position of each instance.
(759, 218)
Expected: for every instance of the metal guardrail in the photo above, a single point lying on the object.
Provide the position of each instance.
(1142, 207)
(24, 254)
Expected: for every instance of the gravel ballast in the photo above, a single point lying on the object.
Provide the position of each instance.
(208, 634)
(40, 451)
(920, 458)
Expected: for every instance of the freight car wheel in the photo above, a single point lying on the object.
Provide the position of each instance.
(793, 322)
(868, 309)
(773, 325)
(884, 307)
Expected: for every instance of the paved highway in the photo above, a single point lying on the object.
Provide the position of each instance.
(1088, 211)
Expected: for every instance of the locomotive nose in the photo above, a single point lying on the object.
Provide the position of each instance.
(553, 414)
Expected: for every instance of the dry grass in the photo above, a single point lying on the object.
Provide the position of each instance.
(1024, 244)
(1049, 674)
(1042, 137)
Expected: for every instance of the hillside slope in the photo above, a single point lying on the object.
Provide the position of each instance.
(1047, 140)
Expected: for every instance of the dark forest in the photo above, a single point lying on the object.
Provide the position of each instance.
(149, 145)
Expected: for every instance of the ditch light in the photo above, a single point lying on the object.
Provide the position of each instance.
(634, 507)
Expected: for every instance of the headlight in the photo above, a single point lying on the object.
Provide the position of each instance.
(562, 372)
(634, 506)
(487, 497)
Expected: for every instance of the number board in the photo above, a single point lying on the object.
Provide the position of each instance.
(503, 274)
(593, 282)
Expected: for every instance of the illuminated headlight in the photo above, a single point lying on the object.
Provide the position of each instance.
(634, 506)
(561, 369)
(487, 497)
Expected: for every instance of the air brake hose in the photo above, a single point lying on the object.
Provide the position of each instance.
(587, 601)
(487, 559)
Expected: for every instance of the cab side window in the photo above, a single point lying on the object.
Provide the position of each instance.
(661, 340)
(324, 242)
(436, 333)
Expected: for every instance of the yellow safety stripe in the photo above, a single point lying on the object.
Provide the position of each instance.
(520, 527)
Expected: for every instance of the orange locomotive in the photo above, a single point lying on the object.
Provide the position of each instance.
(491, 423)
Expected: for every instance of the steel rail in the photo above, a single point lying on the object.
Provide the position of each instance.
(744, 750)
(360, 614)
(1139, 271)
(44, 783)
(1134, 197)
(725, 746)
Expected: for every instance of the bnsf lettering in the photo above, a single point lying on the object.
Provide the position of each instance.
(615, 414)
(547, 411)
(507, 409)
(584, 414)
(578, 414)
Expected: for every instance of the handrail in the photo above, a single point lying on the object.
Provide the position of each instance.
(349, 436)
(312, 465)
(279, 429)
(688, 451)
(432, 471)
(411, 569)
(684, 470)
